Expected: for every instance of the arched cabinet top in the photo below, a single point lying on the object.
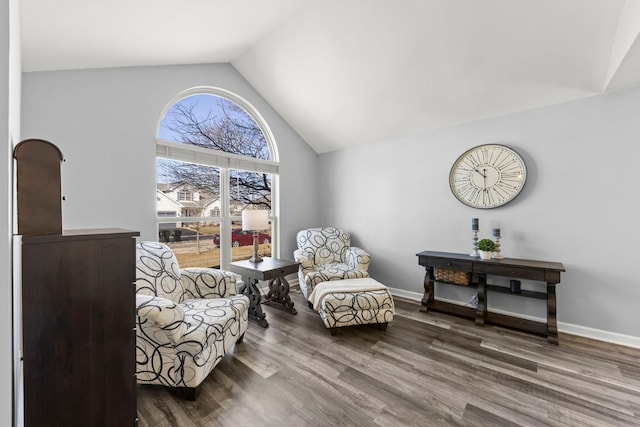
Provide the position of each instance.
(27, 147)
(38, 187)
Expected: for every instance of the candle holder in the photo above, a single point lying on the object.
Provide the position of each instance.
(474, 252)
(496, 254)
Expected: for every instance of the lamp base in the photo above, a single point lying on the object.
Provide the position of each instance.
(256, 257)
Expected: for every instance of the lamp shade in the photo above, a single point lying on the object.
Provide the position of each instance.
(255, 220)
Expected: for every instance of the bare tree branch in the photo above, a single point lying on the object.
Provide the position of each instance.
(225, 127)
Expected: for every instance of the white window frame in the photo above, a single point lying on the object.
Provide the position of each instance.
(225, 162)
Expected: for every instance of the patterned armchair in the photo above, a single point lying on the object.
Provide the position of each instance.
(186, 319)
(326, 254)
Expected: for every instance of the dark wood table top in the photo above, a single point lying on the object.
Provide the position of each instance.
(265, 270)
(507, 262)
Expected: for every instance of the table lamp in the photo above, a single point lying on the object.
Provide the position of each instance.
(255, 220)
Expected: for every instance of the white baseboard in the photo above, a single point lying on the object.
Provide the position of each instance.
(567, 328)
(597, 334)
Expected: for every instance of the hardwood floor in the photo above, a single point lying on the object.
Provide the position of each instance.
(427, 369)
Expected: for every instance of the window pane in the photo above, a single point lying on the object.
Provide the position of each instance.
(187, 190)
(249, 189)
(183, 181)
(210, 121)
(192, 242)
(242, 242)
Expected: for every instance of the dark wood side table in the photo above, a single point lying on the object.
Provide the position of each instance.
(272, 269)
(543, 271)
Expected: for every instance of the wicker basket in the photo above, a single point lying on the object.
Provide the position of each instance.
(453, 276)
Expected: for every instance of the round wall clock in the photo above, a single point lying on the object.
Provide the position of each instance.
(487, 176)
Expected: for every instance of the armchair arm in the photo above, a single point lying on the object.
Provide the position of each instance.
(164, 313)
(357, 258)
(305, 258)
(202, 282)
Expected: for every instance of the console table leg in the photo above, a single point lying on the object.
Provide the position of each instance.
(481, 311)
(552, 324)
(427, 298)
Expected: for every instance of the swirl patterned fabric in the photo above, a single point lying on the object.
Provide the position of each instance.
(325, 254)
(187, 319)
(357, 308)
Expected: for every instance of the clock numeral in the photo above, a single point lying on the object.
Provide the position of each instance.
(462, 181)
(485, 157)
(465, 190)
(471, 163)
(475, 196)
(496, 196)
(507, 164)
(504, 189)
(490, 200)
(464, 171)
(512, 176)
(469, 192)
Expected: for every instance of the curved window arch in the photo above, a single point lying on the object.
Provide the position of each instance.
(216, 157)
(195, 100)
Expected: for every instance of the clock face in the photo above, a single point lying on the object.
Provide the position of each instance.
(487, 176)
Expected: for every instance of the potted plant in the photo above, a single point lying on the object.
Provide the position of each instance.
(486, 248)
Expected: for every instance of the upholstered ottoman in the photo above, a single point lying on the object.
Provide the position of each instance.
(352, 302)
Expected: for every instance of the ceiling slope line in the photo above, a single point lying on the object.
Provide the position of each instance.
(626, 36)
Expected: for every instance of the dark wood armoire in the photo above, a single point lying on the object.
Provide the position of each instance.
(78, 308)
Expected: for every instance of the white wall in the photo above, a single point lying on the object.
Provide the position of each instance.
(105, 120)
(579, 206)
(6, 369)
(9, 126)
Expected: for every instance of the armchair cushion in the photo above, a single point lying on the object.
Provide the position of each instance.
(326, 254)
(332, 271)
(327, 244)
(358, 258)
(305, 258)
(209, 319)
(157, 271)
(207, 283)
(166, 315)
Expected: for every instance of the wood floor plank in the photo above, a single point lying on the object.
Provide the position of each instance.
(478, 416)
(458, 381)
(559, 393)
(598, 376)
(250, 355)
(426, 369)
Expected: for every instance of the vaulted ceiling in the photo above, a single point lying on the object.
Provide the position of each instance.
(348, 72)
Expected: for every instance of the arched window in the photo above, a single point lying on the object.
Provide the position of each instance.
(215, 157)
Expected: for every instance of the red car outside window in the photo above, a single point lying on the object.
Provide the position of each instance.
(243, 238)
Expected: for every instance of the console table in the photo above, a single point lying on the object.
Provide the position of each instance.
(479, 269)
(270, 269)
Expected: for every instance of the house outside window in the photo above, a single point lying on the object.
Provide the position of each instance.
(215, 157)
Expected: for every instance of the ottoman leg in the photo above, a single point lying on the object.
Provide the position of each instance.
(382, 326)
(333, 331)
(310, 305)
